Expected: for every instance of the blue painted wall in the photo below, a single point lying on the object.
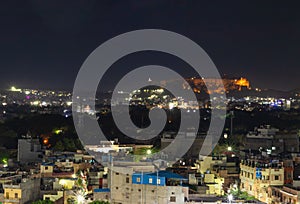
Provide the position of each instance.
(139, 178)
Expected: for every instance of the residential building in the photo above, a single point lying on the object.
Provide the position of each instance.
(144, 187)
(29, 150)
(25, 191)
(286, 194)
(271, 140)
(258, 175)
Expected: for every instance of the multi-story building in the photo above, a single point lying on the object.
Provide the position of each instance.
(145, 187)
(29, 150)
(225, 170)
(196, 141)
(271, 141)
(257, 176)
(24, 192)
(286, 194)
(214, 184)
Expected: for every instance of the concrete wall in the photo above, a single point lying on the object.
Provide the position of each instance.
(29, 150)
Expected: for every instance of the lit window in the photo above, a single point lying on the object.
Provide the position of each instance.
(138, 179)
(158, 181)
(150, 180)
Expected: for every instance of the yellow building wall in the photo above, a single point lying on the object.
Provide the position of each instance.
(67, 183)
(9, 193)
(54, 197)
(46, 169)
(209, 178)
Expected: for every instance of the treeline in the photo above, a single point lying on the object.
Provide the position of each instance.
(53, 131)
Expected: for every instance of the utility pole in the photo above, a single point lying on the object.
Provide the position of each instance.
(231, 122)
(111, 175)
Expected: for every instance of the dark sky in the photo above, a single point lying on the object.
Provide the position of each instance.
(44, 43)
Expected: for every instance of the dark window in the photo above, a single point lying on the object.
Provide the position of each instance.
(16, 195)
(173, 199)
(276, 177)
(127, 179)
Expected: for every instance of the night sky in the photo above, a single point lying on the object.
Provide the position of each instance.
(44, 43)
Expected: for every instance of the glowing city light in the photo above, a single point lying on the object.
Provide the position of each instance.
(149, 151)
(14, 89)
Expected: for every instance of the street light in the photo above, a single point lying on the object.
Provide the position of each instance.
(80, 198)
(229, 148)
(149, 151)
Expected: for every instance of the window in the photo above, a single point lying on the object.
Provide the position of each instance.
(46, 167)
(158, 181)
(173, 199)
(276, 177)
(138, 179)
(7, 196)
(16, 195)
(127, 179)
(150, 180)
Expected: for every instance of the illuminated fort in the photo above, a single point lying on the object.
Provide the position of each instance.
(215, 85)
(230, 84)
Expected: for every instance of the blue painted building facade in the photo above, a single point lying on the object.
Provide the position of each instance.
(157, 178)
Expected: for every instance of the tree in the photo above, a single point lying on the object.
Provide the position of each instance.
(69, 144)
(59, 146)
